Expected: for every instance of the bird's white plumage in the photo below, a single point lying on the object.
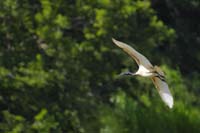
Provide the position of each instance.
(164, 91)
(146, 69)
(139, 58)
(143, 71)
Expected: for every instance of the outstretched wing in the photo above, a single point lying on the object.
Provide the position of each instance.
(139, 58)
(164, 91)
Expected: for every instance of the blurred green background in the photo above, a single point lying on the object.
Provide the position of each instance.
(59, 68)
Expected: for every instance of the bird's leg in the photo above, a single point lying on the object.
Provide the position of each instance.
(161, 77)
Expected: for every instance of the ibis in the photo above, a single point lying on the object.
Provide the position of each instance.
(146, 69)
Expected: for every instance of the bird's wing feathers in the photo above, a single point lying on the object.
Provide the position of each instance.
(139, 58)
(164, 91)
(160, 84)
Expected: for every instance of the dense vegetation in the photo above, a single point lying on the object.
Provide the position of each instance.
(59, 68)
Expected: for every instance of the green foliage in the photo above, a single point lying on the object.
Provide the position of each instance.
(59, 68)
(44, 122)
(147, 113)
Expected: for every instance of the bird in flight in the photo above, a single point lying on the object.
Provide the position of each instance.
(146, 69)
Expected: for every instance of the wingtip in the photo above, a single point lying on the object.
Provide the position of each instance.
(169, 101)
(167, 98)
(114, 40)
(170, 106)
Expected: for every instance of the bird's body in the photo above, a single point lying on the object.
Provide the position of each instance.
(146, 69)
(145, 72)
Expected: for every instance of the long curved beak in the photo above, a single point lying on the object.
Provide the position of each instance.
(127, 73)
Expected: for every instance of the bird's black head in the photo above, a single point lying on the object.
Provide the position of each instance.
(127, 73)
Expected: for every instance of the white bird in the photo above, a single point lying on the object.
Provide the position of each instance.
(146, 69)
